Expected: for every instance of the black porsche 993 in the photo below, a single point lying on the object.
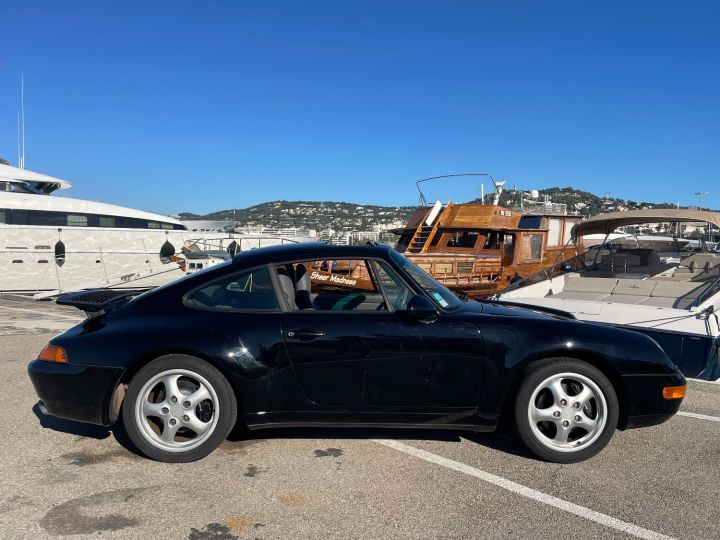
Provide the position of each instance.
(340, 336)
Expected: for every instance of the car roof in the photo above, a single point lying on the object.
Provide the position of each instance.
(308, 250)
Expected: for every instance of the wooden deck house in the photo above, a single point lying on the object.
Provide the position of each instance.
(480, 248)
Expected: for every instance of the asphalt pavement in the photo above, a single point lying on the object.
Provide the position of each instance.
(65, 479)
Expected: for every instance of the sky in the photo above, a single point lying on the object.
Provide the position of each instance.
(201, 106)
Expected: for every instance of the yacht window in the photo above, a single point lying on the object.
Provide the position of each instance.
(509, 242)
(251, 290)
(555, 228)
(48, 218)
(18, 187)
(77, 220)
(2, 216)
(532, 246)
(60, 219)
(19, 217)
(569, 224)
(530, 222)
(493, 240)
(462, 239)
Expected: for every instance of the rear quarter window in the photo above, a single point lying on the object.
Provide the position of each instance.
(246, 290)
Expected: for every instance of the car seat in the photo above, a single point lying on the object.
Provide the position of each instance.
(303, 286)
(286, 288)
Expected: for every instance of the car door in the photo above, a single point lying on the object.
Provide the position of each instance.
(452, 351)
(348, 349)
(370, 359)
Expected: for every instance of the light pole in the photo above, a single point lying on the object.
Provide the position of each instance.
(699, 195)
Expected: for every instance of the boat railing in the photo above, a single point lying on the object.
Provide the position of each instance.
(458, 270)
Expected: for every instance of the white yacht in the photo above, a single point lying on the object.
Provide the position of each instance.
(672, 296)
(50, 245)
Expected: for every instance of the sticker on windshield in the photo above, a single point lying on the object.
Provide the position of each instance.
(440, 299)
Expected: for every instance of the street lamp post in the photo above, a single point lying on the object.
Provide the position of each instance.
(699, 195)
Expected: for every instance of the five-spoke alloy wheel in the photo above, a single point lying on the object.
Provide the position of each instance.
(566, 410)
(178, 409)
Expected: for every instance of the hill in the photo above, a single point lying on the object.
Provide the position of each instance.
(345, 216)
(318, 215)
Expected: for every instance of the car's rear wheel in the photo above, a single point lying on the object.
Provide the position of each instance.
(566, 410)
(178, 409)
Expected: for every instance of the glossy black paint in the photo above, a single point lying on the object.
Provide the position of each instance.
(456, 370)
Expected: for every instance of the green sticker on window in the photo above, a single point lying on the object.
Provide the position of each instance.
(440, 299)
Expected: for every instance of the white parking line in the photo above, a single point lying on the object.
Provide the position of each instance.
(42, 314)
(699, 416)
(703, 381)
(519, 489)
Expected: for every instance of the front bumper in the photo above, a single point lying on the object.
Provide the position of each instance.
(643, 403)
(75, 392)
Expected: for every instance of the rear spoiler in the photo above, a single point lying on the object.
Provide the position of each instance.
(94, 302)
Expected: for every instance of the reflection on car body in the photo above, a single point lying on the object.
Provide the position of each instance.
(265, 341)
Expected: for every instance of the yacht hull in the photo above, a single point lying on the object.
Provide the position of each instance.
(33, 261)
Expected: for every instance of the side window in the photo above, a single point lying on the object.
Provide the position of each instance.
(77, 220)
(398, 294)
(532, 247)
(569, 224)
(554, 231)
(462, 239)
(2, 216)
(334, 285)
(241, 291)
(492, 241)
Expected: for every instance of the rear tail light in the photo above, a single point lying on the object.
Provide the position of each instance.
(674, 392)
(53, 353)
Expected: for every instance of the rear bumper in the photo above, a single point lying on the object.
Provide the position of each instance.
(643, 403)
(81, 393)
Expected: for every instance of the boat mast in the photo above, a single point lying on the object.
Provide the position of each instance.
(21, 125)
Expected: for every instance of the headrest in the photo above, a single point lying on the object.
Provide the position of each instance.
(286, 285)
(302, 277)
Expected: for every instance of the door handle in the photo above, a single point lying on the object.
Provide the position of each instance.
(305, 333)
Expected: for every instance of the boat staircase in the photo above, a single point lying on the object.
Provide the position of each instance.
(424, 234)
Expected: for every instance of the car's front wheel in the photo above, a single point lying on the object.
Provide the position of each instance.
(178, 409)
(566, 410)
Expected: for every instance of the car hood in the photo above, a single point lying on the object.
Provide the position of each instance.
(512, 309)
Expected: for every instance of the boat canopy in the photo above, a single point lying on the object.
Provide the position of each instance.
(607, 223)
(43, 182)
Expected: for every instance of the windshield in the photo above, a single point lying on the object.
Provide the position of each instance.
(441, 295)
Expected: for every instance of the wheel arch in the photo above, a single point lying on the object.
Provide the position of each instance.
(594, 359)
(135, 365)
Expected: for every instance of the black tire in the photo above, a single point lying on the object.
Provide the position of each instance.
(216, 414)
(545, 438)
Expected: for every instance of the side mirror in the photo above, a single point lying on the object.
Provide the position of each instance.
(420, 309)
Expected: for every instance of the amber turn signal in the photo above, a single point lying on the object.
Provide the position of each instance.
(674, 392)
(52, 353)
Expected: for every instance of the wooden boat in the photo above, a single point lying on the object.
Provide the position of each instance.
(481, 248)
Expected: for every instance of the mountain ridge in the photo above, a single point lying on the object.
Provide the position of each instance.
(346, 216)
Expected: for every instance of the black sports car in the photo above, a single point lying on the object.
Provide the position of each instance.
(318, 335)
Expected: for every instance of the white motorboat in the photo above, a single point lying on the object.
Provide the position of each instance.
(673, 296)
(50, 245)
